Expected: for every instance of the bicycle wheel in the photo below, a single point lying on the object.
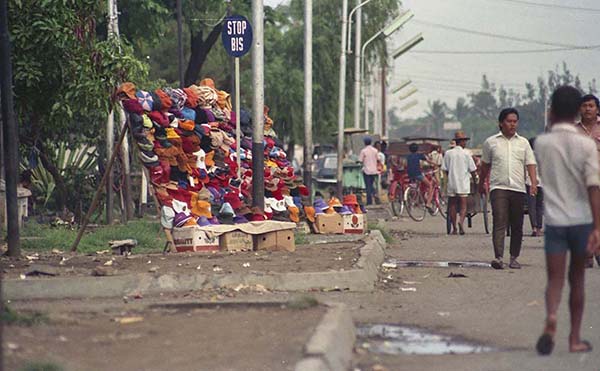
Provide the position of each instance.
(485, 213)
(415, 204)
(442, 205)
(397, 202)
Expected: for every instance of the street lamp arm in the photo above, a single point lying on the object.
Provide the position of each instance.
(362, 53)
(350, 24)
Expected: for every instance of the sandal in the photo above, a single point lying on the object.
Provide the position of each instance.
(587, 347)
(545, 345)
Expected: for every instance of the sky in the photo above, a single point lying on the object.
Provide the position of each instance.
(552, 24)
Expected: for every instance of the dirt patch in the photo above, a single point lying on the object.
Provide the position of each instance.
(252, 337)
(306, 258)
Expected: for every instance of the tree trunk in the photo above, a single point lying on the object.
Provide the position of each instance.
(199, 51)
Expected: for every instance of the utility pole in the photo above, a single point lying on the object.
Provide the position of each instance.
(180, 44)
(357, 56)
(258, 105)
(11, 135)
(126, 210)
(308, 140)
(110, 132)
(341, 102)
(383, 114)
(231, 60)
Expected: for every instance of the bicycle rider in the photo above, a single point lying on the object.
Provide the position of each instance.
(413, 167)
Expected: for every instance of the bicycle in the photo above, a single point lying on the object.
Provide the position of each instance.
(438, 200)
(396, 191)
(415, 201)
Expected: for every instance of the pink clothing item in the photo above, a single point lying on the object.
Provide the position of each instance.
(368, 157)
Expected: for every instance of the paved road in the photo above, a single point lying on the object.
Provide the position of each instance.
(503, 309)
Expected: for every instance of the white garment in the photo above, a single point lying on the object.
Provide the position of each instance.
(459, 164)
(569, 165)
(508, 158)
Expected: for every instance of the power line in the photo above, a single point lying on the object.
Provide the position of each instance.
(498, 36)
(551, 6)
(491, 52)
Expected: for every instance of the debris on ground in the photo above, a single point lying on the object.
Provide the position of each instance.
(101, 271)
(122, 247)
(457, 275)
(128, 320)
(42, 270)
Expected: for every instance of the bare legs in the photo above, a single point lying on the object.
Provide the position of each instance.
(453, 202)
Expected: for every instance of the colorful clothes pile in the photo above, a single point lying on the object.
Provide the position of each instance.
(186, 140)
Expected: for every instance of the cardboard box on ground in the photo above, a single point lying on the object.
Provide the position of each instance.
(193, 239)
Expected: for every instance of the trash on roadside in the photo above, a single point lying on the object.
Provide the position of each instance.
(102, 252)
(41, 270)
(199, 267)
(389, 265)
(413, 289)
(153, 269)
(246, 265)
(216, 268)
(63, 260)
(533, 303)
(109, 263)
(22, 276)
(443, 314)
(128, 320)
(56, 251)
(122, 247)
(240, 287)
(35, 256)
(101, 271)
(456, 275)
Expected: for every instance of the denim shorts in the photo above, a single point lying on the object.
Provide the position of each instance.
(419, 177)
(562, 239)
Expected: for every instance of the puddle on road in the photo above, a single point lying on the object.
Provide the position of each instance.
(394, 340)
(397, 263)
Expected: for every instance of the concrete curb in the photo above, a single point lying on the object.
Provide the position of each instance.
(330, 347)
(361, 277)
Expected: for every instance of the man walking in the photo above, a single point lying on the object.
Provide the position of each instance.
(569, 166)
(590, 126)
(507, 155)
(368, 156)
(457, 165)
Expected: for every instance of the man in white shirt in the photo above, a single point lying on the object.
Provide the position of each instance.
(569, 166)
(507, 155)
(457, 165)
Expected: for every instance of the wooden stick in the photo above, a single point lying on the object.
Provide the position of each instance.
(100, 186)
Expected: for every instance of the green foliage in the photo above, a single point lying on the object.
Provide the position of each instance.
(76, 166)
(41, 237)
(9, 316)
(42, 366)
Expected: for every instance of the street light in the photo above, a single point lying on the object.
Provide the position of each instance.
(401, 86)
(409, 105)
(386, 31)
(408, 93)
(408, 45)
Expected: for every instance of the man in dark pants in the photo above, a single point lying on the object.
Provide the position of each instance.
(507, 155)
(368, 157)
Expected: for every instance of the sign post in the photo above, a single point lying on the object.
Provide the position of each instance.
(237, 40)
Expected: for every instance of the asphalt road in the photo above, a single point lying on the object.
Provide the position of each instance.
(502, 309)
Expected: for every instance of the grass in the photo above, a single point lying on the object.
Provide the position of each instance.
(41, 366)
(11, 317)
(300, 238)
(40, 237)
(302, 302)
(387, 236)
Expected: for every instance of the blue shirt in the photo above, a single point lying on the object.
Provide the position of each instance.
(413, 166)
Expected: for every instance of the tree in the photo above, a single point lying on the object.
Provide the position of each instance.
(64, 76)
(437, 114)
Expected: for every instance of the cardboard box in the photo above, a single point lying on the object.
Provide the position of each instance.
(276, 241)
(266, 241)
(330, 224)
(355, 223)
(236, 241)
(191, 239)
(286, 240)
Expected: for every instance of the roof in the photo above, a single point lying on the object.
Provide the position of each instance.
(425, 138)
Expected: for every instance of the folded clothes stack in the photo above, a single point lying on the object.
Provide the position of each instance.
(186, 140)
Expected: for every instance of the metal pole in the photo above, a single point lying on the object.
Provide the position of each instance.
(308, 135)
(110, 141)
(258, 104)
(341, 103)
(11, 136)
(237, 117)
(363, 72)
(383, 114)
(127, 196)
(180, 44)
(357, 42)
(96, 198)
(232, 79)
